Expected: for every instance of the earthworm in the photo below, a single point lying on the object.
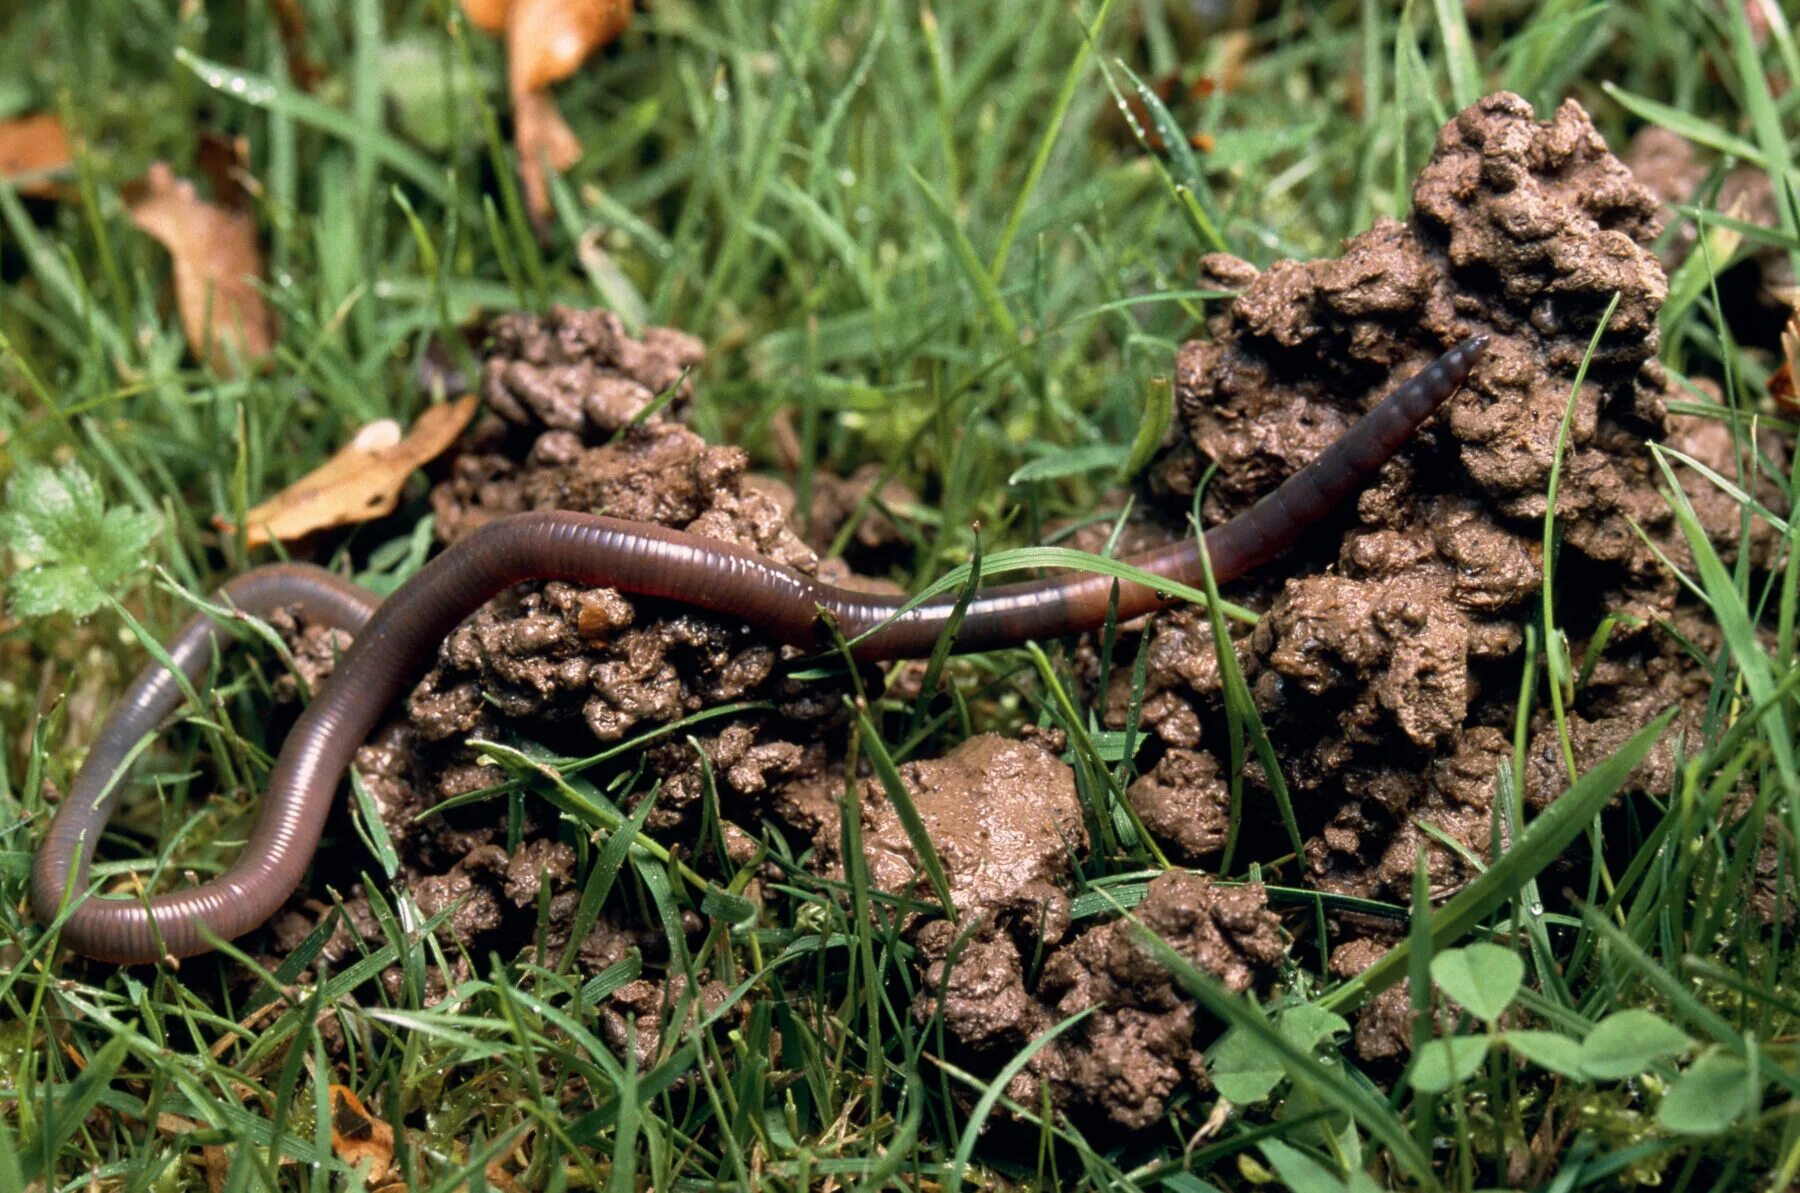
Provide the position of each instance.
(396, 638)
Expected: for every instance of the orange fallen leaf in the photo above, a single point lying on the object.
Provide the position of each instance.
(544, 140)
(357, 1135)
(489, 16)
(31, 146)
(216, 259)
(1782, 382)
(546, 40)
(362, 481)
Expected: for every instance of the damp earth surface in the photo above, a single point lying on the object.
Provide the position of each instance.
(1386, 662)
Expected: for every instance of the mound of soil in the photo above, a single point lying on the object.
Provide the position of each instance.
(1386, 667)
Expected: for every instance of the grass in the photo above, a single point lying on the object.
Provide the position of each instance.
(926, 233)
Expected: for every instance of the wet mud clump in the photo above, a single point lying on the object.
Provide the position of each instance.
(1142, 1039)
(1006, 825)
(1387, 665)
(1142, 1036)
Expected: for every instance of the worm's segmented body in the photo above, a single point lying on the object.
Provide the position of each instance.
(397, 638)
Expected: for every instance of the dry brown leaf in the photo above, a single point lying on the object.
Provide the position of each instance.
(1782, 382)
(357, 1135)
(489, 16)
(362, 481)
(497, 1177)
(216, 257)
(33, 145)
(1232, 57)
(174, 1124)
(547, 39)
(544, 140)
(250, 1023)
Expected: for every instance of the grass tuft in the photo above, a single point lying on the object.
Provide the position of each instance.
(938, 236)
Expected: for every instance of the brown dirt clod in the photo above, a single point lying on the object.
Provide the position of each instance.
(1386, 666)
(1004, 821)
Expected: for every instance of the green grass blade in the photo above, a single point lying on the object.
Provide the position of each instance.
(1459, 52)
(1241, 710)
(262, 92)
(1159, 412)
(1699, 131)
(1773, 130)
(1033, 558)
(940, 650)
(1727, 603)
(1556, 658)
(601, 876)
(991, 1096)
(12, 1174)
(1053, 125)
(71, 1110)
(981, 278)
